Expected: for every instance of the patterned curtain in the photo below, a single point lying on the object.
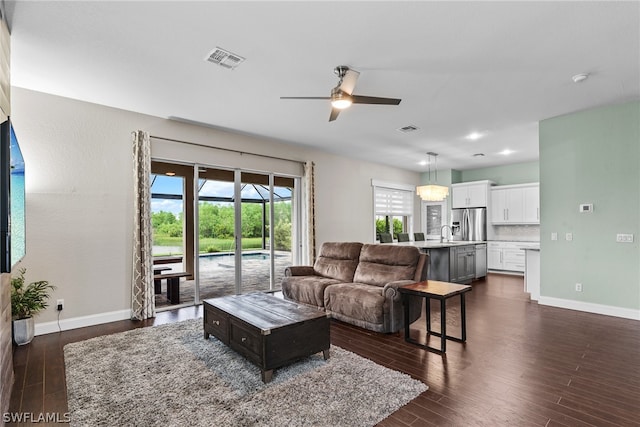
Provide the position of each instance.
(310, 214)
(142, 296)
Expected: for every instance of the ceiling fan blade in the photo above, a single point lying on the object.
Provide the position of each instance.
(359, 99)
(349, 81)
(334, 114)
(305, 97)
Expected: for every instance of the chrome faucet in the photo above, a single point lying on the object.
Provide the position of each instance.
(442, 228)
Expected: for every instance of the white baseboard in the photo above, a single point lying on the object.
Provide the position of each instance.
(82, 321)
(608, 310)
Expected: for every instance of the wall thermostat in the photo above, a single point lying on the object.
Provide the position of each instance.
(586, 207)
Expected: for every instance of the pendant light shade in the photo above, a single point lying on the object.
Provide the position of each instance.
(432, 192)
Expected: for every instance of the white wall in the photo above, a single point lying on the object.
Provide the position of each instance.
(79, 196)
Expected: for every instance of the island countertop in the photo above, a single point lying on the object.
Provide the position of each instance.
(436, 244)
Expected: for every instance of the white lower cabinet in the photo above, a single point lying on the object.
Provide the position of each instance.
(494, 257)
(513, 259)
(507, 256)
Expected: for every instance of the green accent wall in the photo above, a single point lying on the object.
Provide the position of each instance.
(516, 173)
(444, 177)
(593, 157)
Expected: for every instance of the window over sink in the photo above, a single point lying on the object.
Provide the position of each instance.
(393, 208)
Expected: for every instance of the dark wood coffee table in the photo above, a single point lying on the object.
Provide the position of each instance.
(267, 330)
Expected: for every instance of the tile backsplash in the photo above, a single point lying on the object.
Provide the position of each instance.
(523, 233)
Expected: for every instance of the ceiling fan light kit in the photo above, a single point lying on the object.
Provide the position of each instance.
(339, 99)
(342, 95)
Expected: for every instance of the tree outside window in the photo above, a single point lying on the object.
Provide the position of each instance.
(391, 224)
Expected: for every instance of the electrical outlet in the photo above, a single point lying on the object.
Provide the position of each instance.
(568, 237)
(554, 236)
(578, 287)
(60, 304)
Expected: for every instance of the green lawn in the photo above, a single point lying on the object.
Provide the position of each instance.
(210, 245)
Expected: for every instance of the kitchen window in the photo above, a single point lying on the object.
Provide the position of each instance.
(393, 208)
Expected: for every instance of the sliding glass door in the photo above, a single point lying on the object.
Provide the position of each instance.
(254, 231)
(172, 227)
(229, 231)
(238, 249)
(215, 237)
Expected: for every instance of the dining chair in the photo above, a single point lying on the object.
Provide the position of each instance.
(418, 237)
(403, 237)
(386, 238)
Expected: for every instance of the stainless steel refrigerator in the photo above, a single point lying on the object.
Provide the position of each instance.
(469, 224)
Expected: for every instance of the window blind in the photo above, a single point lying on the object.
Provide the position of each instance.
(393, 202)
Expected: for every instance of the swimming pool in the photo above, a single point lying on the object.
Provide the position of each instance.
(252, 260)
(245, 256)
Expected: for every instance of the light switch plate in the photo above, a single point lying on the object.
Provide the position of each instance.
(624, 238)
(554, 236)
(568, 237)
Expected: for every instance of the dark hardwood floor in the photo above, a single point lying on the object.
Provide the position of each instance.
(522, 364)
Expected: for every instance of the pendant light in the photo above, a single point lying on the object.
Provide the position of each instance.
(433, 192)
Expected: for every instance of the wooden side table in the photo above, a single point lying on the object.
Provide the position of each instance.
(440, 291)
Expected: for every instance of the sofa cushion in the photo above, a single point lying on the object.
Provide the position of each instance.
(381, 264)
(356, 301)
(338, 260)
(306, 289)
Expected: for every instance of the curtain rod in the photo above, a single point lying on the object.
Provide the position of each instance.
(225, 149)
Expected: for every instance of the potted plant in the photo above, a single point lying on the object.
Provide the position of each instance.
(27, 301)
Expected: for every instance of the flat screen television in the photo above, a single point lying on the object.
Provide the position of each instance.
(12, 199)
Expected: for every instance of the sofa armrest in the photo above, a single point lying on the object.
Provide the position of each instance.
(396, 305)
(299, 270)
(390, 290)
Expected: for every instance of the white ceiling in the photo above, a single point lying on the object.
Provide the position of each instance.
(458, 67)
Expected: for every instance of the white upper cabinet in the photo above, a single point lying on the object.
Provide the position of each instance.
(498, 206)
(515, 204)
(532, 204)
(470, 194)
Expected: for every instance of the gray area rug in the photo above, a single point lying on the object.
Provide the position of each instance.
(169, 375)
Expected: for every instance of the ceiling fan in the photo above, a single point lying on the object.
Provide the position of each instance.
(342, 95)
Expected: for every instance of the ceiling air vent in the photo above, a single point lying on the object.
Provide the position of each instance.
(408, 129)
(224, 58)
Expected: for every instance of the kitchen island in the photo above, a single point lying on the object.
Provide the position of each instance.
(453, 262)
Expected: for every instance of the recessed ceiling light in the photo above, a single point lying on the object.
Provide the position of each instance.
(170, 173)
(506, 152)
(580, 77)
(423, 163)
(478, 155)
(473, 136)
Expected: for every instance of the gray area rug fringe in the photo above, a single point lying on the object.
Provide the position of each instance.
(169, 375)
